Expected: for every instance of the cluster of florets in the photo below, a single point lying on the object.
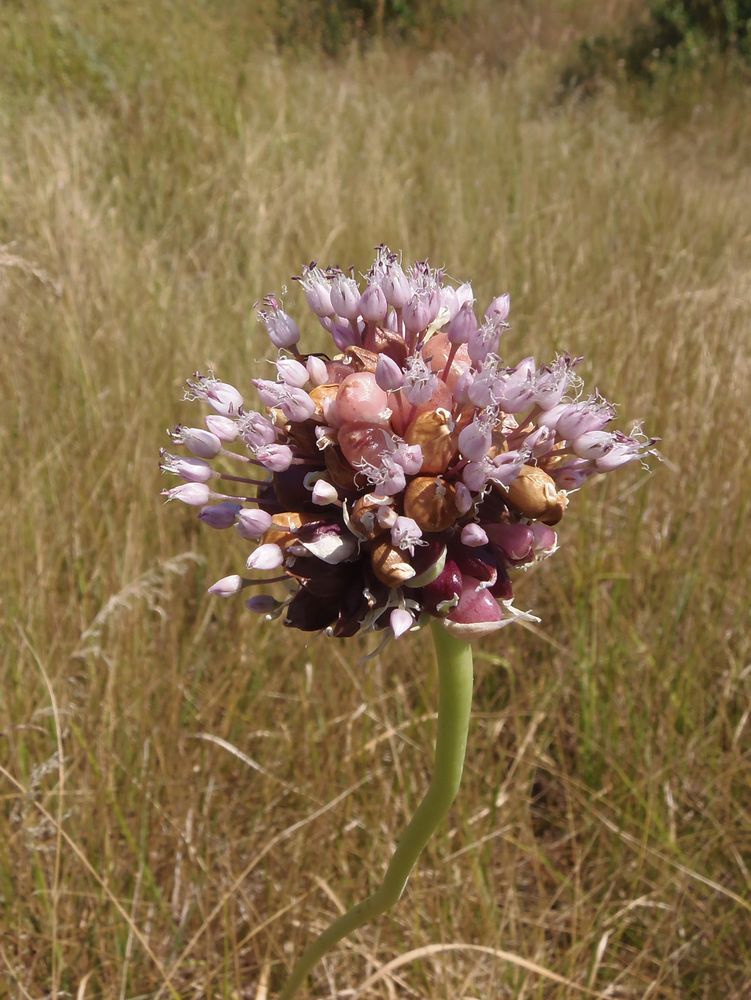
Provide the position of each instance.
(408, 474)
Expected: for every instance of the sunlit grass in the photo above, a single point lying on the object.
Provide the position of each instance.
(603, 828)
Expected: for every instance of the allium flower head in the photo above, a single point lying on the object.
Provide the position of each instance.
(405, 474)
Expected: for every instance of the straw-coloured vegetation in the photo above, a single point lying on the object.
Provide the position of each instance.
(189, 792)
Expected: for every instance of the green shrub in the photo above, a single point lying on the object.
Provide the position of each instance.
(676, 33)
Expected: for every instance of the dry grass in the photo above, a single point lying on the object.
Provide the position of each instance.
(189, 793)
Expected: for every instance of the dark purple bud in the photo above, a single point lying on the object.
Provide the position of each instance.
(220, 515)
(352, 609)
(263, 604)
(502, 589)
(476, 607)
(309, 612)
(311, 531)
(516, 541)
(479, 563)
(445, 590)
(290, 488)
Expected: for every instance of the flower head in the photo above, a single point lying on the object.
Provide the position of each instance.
(404, 476)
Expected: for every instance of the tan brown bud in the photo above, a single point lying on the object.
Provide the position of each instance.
(389, 565)
(303, 435)
(431, 502)
(382, 341)
(534, 495)
(284, 526)
(361, 359)
(340, 472)
(322, 395)
(434, 432)
(363, 517)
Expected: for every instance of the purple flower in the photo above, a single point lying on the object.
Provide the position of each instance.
(222, 397)
(463, 325)
(295, 404)
(345, 296)
(317, 290)
(282, 329)
(416, 474)
(373, 305)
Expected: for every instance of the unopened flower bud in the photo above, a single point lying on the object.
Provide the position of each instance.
(386, 516)
(292, 372)
(317, 370)
(463, 498)
(396, 287)
(282, 329)
(345, 296)
(540, 441)
(228, 586)
(473, 536)
(263, 604)
(220, 515)
(388, 374)
(498, 310)
(401, 621)
(417, 313)
(253, 523)
(474, 441)
(373, 306)
(324, 493)
(573, 475)
(195, 494)
(593, 444)
(463, 325)
(405, 534)
(266, 556)
(202, 443)
(275, 457)
(225, 399)
(450, 301)
(317, 290)
(225, 428)
(576, 419)
(344, 334)
(194, 470)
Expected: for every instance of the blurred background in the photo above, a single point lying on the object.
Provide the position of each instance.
(188, 793)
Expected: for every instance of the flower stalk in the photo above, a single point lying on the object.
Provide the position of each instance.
(454, 663)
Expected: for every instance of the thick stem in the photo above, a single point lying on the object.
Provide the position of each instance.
(454, 659)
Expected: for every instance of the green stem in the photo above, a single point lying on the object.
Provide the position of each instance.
(454, 659)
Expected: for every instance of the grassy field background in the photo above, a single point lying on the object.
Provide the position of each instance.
(188, 793)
